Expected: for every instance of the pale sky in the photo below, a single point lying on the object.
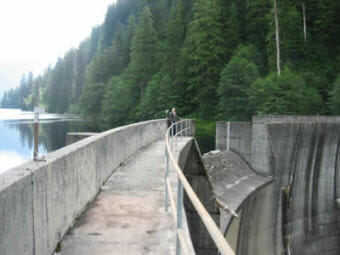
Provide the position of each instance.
(34, 33)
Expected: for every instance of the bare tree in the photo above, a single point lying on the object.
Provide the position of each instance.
(304, 22)
(278, 64)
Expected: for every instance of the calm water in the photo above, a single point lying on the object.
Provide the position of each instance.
(17, 130)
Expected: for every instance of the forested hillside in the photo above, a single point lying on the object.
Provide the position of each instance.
(211, 59)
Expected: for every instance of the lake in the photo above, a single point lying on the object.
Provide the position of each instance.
(17, 135)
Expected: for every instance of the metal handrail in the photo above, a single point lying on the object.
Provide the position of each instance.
(183, 184)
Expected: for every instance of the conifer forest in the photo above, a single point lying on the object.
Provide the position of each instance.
(211, 59)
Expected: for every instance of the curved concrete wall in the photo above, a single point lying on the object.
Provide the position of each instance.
(40, 201)
(191, 163)
(298, 213)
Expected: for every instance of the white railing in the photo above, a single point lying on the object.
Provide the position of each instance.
(185, 128)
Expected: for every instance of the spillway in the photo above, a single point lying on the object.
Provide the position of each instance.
(298, 213)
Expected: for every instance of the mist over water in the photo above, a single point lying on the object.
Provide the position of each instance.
(17, 135)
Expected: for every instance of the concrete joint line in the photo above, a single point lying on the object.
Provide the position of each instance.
(33, 216)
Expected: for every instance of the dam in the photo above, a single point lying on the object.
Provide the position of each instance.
(271, 187)
(298, 212)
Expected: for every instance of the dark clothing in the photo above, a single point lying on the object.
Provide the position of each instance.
(173, 130)
(173, 117)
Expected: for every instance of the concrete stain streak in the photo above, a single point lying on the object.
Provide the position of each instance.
(298, 212)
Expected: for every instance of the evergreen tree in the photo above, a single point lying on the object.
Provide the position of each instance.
(22, 91)
(256, 28)
(104, 65)
(116, 103)
(108, 28)
(236, 79)
(38, 83)
(334, 102)
(204, 55)
(4, 100)
(94, 42)
(174, 55)
(80, 63)
(175, 37)
(230, 26)
(53, 89)
(67, 82)
(11, 99)
(91, 102)
(129, 34)
(284, 94)
(157, 98)
(143, 49)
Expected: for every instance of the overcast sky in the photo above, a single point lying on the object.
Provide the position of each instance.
(34, 33)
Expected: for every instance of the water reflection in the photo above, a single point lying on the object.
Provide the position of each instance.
(10, 159)
(52, 134)
(17, 139)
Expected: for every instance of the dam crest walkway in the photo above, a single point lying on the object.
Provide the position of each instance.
(128, 215)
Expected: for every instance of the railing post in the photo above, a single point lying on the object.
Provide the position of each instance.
(36, 136)
(181, 128)
(228, 136)
(165, 179)
(176, 133)
(171, 135)
(179, 215)
(209, 223)
(187, 126)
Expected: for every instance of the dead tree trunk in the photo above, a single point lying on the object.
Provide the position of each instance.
(278, 64)
(304, 22)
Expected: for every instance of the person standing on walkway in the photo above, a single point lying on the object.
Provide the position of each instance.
(173, 119)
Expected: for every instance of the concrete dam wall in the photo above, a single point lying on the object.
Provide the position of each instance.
(39, 201)
(298, 213)
(190, 161)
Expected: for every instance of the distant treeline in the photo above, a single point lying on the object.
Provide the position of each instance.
(211, 59)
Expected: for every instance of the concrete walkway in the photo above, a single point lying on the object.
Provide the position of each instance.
(128, 216)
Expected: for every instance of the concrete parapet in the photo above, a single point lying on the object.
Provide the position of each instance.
(39, 201)
(252, 141)
(295, 118)
(73, 137)
(240, 137)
